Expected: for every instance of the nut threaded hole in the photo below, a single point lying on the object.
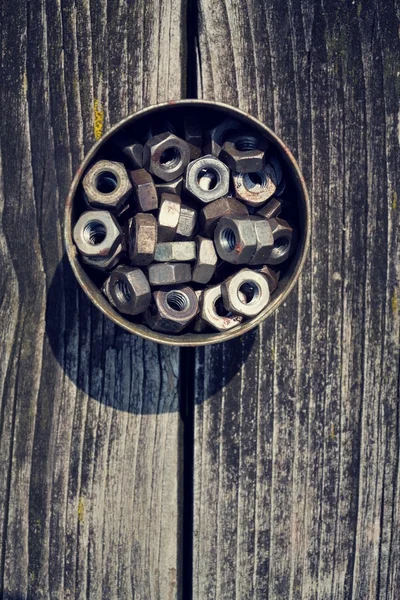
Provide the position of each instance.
(246, 143)
(122, 292)
(106, 182)
(171, 158)
(281, 245)
(177, 301)
(250, 292)
(95, 232)
(208, 179)
(255, 182)
(228, 240)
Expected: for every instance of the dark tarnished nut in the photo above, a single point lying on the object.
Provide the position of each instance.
(131, 148)
(129, 290)
(168, 217)
(144, 190)
(175, 252)
(170, 187)
(107, 264)
(271, 276)
(97, 234)
(244, 152)
(166, 156)
(207, 179)
(107, 185)
(284, 241)
(272, 209)
(199, 325)
(214, 313)
(105, 288)
(223, 207)
(206, 260)
(187, 223)
(265, 241)
(173, 309)
(193, 136)
(169, 273)
(255, 188)
(142, 239)
(281, 188)
(235, 239)
(215, 137)
(157, 126)
(276, 165)
(255, 287)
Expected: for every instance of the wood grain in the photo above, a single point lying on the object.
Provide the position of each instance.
(296, 459)
(90, 446)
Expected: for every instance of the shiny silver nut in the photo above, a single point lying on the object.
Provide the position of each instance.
(265, 240)
(255, 188)
(166, 156)
(130, 290)
(207, 179)
(175, 252)
(132, 149)
(187, 223)
(107, 185)
(173, 309)
(97, 234)
(271, 209)
(170, 187)
(235, 240)
(271, 276)
(169, 273)
(213, 312)
(168, 217)
(223, 207)
(144, 190)
(215, 137)
(142, 239)
(108, 263)
(255, 288)
(206, 260)
(285, 240)
(244, 152)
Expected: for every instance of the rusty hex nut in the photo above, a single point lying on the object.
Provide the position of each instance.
(168, 217)
(129, 290)
(132, 149)
(142, 239)
(235, 239)
(107, 186)
(175, 252)
(265, 240)
(169, 273)
(187, 223)
(206, 260)
(207, 179)
(255, 188)
(284, 241)
(214, 313)
(223, 207)
(97, 234)
(216, 136)
(166, 156)
(144, 190)
(244, 152)
(255, 288)
(170, 187)
(173, 309)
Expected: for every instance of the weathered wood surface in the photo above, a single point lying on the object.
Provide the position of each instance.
(296, 456)
(90, 448)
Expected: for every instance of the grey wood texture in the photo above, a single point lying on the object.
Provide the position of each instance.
(296, 456)
(90, 438)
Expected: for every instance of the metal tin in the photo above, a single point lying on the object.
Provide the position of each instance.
(289, 276)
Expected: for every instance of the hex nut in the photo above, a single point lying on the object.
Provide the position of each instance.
(244, 152)
(168, 217)
(107, 186)
(215, 137)
(108, 263)
(213, 312)
(206, 260)
(255, 287)
(207, 179)
(284, 241)
(255, 188)
(187, 223)
(271, 276)
(144, 190)
(223, 207)
(97, 234)
(199, 325)
(173, 309)
(132, 149)
(170, 187)
(129, 290)
(166, 156)
(265, 240)
(175, 252)
(142, 239)
(271, 209)
(235, 239)
(169, 273)
(193, 136)
(276, 165)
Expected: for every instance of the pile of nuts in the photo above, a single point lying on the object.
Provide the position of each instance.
(187, 228)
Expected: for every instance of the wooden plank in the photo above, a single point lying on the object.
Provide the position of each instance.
(90, 447)
(296, 469)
